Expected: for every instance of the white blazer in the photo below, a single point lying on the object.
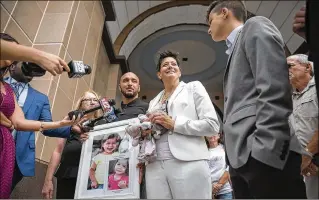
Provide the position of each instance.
(195, 117)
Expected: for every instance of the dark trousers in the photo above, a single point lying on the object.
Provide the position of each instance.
(256, 180)
(65, 188)
(17, 177)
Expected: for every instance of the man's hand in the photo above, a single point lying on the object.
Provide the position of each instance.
(47, 190)
(311, 170)
(299, 23)
(305, 162)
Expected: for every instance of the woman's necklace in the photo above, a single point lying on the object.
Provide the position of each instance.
(165, 96)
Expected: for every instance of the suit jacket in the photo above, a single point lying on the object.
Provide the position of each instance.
(195, 117)
(312, 32)
(36, 107)
(257, 96)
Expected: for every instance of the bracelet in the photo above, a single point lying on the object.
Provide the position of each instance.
(41, 127)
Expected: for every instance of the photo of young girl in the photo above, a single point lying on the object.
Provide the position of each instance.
(109, 147)
(118, 174)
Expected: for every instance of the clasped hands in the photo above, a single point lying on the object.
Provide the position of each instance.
(162, 119)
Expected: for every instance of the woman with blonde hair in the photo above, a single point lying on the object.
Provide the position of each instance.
(65, 158)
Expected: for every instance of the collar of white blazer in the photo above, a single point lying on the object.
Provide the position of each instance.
(171, 99)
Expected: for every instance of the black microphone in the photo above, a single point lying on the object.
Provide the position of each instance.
(77, 69)
(109, 116)
(105, 104)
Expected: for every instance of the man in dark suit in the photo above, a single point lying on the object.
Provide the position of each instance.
(35, 106)
(306, 25)
(257, 104)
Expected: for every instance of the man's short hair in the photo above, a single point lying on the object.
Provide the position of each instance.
(164, 55)
(236, 6)
(7, 37)
(302, 59)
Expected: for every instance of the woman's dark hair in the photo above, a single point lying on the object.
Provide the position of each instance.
(9, 38)
(164, 55)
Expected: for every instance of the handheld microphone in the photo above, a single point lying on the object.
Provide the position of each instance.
(77, 69)
(108, 110)
(105, 104)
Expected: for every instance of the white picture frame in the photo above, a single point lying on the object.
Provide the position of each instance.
(90, 154)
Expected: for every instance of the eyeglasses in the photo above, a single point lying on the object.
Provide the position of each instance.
(90, 100)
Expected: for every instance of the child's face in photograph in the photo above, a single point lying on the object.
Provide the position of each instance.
(120, 167)
(110, 145)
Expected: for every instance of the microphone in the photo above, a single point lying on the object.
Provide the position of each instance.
(105, 104)
(77, 69)
(109, 113)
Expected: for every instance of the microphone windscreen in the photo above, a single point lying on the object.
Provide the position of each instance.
(105, 106)
(88, 70)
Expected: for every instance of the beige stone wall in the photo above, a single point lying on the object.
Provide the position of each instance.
(72, 30)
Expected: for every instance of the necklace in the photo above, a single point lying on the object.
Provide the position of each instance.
(165, 96)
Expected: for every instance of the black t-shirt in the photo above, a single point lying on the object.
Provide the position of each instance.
(71, 155)
(132, 109)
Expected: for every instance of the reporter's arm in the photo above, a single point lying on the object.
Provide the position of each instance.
(47, 189)
(63, 132)
(49, 62)
(22, 124)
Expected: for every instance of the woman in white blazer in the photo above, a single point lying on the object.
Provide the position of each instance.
(181, 170)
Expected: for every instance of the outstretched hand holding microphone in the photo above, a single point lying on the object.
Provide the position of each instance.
(49, 62)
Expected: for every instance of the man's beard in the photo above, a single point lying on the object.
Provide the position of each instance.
(129, 95)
